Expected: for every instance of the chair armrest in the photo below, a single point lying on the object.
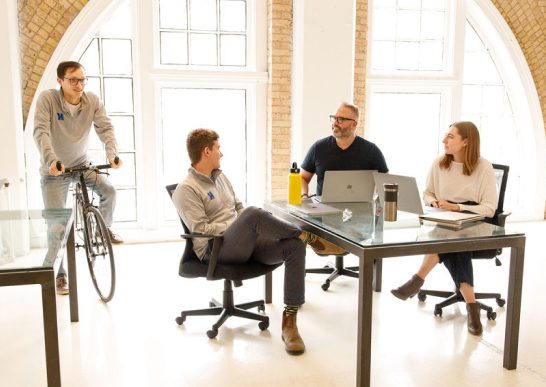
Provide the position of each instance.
(197, 235)
(216, 245)
(502, 218)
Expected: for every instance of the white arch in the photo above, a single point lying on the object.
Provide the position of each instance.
(516, 74)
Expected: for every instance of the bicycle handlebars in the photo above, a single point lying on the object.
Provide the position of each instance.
(85, 168)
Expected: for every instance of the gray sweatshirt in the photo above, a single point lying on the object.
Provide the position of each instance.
(61, 136)
(208, 205)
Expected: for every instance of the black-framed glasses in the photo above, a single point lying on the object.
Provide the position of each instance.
(75, 81)
(339, 120)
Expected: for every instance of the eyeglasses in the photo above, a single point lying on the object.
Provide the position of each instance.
(339, 120)
(75, 81)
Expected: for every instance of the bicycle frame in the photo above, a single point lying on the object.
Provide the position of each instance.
(96, 238)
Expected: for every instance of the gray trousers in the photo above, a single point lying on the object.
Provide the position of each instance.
(55, 191)
(258, 236)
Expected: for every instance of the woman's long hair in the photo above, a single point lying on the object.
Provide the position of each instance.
(467, 130)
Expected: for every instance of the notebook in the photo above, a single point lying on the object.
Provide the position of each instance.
(347, 186)
(451, 219)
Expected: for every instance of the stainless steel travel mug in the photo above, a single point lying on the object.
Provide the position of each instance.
(391, 201)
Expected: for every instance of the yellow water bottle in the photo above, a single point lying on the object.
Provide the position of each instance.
(294, 185)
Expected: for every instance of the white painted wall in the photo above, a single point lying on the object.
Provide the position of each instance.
(14, 235)
(12, 163)
(323, 68)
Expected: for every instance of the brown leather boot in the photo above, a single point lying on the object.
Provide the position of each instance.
(293, 342)
(409, 289)
(474, 323)
(322, 247)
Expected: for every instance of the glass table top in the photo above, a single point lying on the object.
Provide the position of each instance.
(358, 223)
(33, 239)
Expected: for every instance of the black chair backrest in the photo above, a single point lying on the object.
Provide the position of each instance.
(189, 254)
(170, 190)
(501, 175)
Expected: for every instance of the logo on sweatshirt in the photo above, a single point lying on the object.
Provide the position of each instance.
(60, 117)
(210, 195)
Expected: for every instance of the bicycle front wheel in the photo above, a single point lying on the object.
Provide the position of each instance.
(100, 256)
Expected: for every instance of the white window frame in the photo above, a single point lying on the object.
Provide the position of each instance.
(252, 78)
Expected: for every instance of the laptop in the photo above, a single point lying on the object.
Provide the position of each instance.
(347, 186)
(314, 209)
(409, 198)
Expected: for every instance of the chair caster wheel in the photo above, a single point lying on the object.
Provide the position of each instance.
(421, 296)
(325, 286)
(180, 320)
(501, 302)
(263, 325)
(491, 315)
(438, 312)
(261, 308)
(211, 304)
(212, 333)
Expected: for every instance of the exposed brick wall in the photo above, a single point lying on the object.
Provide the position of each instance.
(361, 43)
(527, 20)
(42, 24)
(279, 96)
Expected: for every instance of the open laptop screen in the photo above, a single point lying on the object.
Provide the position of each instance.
(409, 199)
(347, 186)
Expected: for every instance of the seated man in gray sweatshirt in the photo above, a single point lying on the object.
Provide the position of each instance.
(62, 124)
(205, 200)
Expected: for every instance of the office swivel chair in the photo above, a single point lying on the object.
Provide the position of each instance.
(233, 275)
(335, 270)
(499, 219)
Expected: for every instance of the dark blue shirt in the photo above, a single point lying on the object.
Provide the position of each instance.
(325, 155)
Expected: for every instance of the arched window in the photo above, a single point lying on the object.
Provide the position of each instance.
(436, 62)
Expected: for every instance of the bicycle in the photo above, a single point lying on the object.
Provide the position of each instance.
(90, 225)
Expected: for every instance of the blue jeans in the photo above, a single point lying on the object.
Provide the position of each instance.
(259, 236)
(55, 190)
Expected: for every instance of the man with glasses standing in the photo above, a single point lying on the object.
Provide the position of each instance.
(343, 150)
(62, 124)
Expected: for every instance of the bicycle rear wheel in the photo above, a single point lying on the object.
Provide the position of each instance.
(100, 256)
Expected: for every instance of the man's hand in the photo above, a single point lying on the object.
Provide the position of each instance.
(54, 171)
(114, 164)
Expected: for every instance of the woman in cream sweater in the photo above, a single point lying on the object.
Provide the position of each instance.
(460, 180)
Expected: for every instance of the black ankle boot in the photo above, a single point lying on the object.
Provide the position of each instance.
(409, 289)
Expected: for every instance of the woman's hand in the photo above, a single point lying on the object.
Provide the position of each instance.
(447, 205)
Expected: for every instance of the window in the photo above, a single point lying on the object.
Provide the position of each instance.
(207, 52)
(108, 62)
(203, 32)
(409, 35)
(399, 79)
(222, 110)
